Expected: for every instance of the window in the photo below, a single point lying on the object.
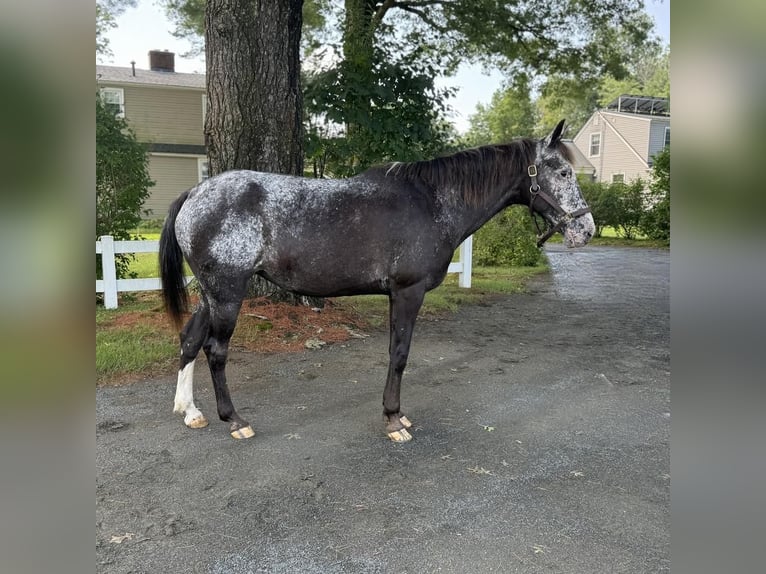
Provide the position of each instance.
(114, 100)
(202, 168)
(595, 144)
(618, 178)
(667, 136)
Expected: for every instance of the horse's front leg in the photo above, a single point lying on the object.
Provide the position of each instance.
(223, 318)
(404, 305)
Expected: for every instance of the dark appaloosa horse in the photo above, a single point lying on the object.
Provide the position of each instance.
(392, 230)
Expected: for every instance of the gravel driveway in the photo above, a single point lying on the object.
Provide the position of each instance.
(542, 429)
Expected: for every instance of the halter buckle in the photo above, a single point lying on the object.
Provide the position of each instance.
(532, 171)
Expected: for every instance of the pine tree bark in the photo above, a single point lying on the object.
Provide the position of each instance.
(254, 104)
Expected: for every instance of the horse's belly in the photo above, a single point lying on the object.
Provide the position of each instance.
(326, 277)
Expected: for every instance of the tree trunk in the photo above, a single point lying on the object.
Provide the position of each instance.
(254, 104)
(358, 55)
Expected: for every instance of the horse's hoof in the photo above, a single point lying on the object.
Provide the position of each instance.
(405, 421)
(199, 423)
(244, 432)
(401, 435)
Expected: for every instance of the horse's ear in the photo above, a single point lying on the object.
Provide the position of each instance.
(553, 139)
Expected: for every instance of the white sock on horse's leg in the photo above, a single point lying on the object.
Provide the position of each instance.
(184, 401)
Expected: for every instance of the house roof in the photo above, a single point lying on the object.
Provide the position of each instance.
(579, 161)
(120, 75)
(646, 105)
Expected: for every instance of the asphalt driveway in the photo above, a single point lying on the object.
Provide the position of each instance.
(542, 430)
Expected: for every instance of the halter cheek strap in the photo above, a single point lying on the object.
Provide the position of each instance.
(564, 216)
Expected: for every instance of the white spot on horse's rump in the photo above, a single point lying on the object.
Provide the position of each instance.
(238, 241)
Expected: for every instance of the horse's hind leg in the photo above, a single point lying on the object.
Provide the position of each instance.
(404, 305)
(223, 318)
(193, 336)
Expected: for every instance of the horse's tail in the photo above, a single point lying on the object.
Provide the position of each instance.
(172, 265)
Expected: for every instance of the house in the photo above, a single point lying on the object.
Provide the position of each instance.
(166, 110)
(620, 140)
(582, 166)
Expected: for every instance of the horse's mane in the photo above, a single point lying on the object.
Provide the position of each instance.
(474, 172)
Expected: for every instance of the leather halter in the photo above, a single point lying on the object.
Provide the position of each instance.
(565, 217)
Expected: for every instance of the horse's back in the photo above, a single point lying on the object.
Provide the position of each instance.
(314, 236)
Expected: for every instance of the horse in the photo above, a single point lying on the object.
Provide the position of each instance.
(390, 230)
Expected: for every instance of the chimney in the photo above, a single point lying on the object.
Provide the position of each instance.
(162, 61)
(133, 66)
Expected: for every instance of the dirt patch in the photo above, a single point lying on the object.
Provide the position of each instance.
(268, 327)
(262, 327)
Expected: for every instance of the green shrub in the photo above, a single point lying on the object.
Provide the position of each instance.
(595, 194)
(655, 222)
(631, 207)
(122, 182)
(509, 238)
(620, 206)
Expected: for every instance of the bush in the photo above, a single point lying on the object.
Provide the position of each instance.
(595, 194)
(509, 238)
(655, 222)
(630, 199)
(122, 181)
(620, 206)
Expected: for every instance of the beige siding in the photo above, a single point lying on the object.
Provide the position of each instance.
(595, 125)
(627, 143)
(625, 155)
(165, 114)
(173, 175)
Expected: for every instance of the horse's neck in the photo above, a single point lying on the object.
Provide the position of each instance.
(474, 217)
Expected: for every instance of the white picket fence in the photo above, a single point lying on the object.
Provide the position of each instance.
(110, 285)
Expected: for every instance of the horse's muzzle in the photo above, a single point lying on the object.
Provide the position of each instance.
(579, 231)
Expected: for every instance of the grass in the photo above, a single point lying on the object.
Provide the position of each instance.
(145, 265)
(132, 351)
(486, 282)
(136, 338)
(610, 238)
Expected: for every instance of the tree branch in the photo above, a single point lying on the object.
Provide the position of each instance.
(381, 13)
(422, 15)
(419, 3)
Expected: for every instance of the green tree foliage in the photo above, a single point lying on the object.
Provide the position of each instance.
(655, 222)
(649, 76)
(639, 66)
(403, 117)
(122, 181)
(509, 238)
(564, 96)
(510, 114)
(634, 68)
(418, 40)
(189, 19)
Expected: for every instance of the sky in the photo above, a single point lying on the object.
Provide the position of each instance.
(147, 28)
